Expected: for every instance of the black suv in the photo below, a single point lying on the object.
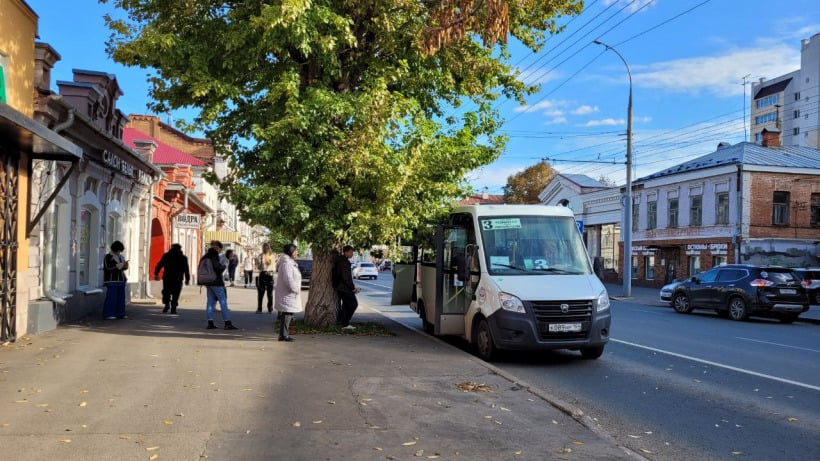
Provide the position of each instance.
(306, 269)
(737, 291)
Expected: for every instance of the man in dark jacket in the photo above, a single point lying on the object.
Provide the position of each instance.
(174, 265)
(342, 278)
(216, 289)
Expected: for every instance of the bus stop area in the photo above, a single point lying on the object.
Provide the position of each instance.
(156, 386)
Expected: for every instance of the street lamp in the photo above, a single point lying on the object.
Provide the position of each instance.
(627, 232)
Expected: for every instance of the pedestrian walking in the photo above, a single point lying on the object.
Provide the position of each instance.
(342, 279)
(114, 279)
(216, 288)
(267, 266)
(174, 267)
(247, 266)
(233, 262)
(288, 290)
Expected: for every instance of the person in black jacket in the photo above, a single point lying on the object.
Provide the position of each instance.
(216, 289)
(342, 278)
(174, 265)
(114, 267)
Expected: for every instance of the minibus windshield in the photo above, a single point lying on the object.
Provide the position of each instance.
(533, 245)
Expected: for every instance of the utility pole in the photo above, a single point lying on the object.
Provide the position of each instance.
(745, 132)
(627, 227)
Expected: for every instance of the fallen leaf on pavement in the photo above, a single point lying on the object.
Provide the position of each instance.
(297, 424)
(153, 457)
(409, 443)
(168, 422)
(577, 443)
(66, 440)
(419, 453)
(318, 421)
(470, 386)
(82, 404)
(791, 420)
(152, 448)
(378, 448)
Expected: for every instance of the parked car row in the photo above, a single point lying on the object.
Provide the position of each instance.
(737, 291)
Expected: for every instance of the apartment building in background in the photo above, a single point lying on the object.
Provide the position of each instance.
(791, 102)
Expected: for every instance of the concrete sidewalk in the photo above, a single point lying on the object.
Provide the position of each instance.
(651, 297)
(157, 386)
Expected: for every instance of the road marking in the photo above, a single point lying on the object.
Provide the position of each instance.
(719, 365)
(777, 344)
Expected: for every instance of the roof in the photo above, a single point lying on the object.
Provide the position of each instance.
(165, 154)
(773, 88)
(479, 199)
(583, 180)
(747, 153)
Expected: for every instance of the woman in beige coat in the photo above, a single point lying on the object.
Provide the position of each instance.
(288, 289)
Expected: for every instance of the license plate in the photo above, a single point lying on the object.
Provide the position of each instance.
(565, 327)
(788, 291)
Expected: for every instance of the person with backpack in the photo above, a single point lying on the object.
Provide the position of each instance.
(209, 274)
(174, 265)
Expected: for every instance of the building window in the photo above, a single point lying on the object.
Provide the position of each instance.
(84, 263)
(651, 215)
(718, 261)
(696, 210)
(694, 265)
(114, 229)
(767, 101)
(797, 96)
(635, 209)
(758, 137)
(649, 263)
(815, 210)
(767, 117)
(722, 208)
(673, 213)
(796, 131)
(797, 113)
(780, 208)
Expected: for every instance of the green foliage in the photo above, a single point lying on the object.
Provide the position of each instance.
(336, 118)
(524, 186)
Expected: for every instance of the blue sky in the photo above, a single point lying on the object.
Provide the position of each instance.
(688, 60)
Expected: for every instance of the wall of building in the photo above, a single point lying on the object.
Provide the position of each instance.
(18, 29)
(800, 187)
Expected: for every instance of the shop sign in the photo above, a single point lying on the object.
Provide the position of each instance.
(187, 221)
(713, 248)
(114, 161)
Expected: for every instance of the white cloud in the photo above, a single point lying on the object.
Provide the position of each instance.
(606, 122)
(585, 110)
(722, 75)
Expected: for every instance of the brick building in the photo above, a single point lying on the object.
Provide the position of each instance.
(743, 203)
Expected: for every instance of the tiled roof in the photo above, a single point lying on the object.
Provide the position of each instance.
(478, 199)
(747, 153)
(165, 154)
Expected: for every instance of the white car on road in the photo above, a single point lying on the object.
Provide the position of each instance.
(366, 271)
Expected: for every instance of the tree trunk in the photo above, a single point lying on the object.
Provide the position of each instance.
(320, 310)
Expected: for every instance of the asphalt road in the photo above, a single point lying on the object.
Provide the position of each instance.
(683, 387)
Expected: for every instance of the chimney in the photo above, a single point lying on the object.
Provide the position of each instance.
(44, 59)
(145, 149)
(771, 137)
(485, 193)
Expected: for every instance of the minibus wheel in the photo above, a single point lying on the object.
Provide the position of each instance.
(485, 347)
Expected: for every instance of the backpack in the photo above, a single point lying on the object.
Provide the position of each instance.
(205, 272)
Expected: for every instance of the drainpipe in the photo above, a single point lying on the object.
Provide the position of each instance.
(739, 233)
(48, 233)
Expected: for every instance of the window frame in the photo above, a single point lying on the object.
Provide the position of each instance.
(696, 212)
(652, 214)
(722, 208)
(781, 209)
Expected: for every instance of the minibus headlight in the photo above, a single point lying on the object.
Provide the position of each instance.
(510, 303)
(602, 301)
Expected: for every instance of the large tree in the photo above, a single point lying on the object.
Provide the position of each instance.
(524, 186)
(344, 121)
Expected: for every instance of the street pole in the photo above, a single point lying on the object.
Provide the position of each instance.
(627, 227)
